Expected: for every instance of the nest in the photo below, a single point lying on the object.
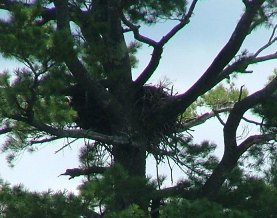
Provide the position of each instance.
(148, 101)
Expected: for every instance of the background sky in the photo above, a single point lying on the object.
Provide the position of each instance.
(184, 59)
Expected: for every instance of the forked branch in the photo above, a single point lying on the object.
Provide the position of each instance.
(157, 46)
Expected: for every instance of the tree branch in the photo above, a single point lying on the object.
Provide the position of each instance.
(137, 35)
(232, 152)
(210, 77)
(203, 118)
(252, 121)
(158, 46)
(78, 133)
(271, 40)
(75, 172)
(45, 140)
(255, 139)
(101, 95)
(70, 133)
(236, 115)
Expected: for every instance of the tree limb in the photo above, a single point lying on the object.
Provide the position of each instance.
(45, 140)
(73, 133)
(158, 46)
(236, 115)
(255, 139)
(83, 172)
(232, 151)
(203, 118)
(79, 133)
(209, 79)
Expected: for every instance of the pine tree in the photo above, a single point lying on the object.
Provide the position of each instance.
(77, 83)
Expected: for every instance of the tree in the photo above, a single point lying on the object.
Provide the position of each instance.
(19, 202)
(77, 84)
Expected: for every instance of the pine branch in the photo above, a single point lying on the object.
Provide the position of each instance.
(72, 133)
(203, 118)
(75, 172)
(79, 133)
(236, 115)
(232, 151)
(210, 78)
(45, 140)
(158, 46)
(254, 140)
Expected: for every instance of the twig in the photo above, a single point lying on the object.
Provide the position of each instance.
(66, 145)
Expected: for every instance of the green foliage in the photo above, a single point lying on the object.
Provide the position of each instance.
(19, 202)
(20, 39)
(151, 11)
(41, 92)
(201, 208)
(105, 190)
(222, 96)
(190, 112)
(267, 110)
(132, 211)
(252, 195)
(199, 160)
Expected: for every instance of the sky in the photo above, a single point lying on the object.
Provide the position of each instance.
(184, 59)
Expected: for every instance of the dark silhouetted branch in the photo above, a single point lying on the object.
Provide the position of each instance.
(254, 140)
(210, 78)
(158, 46)
(75, 172)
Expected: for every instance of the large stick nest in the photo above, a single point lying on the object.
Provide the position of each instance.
(147, 103)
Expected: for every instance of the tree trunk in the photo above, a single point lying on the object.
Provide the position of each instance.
(219, 175)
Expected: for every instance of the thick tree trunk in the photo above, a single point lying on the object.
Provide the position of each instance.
(133, 161)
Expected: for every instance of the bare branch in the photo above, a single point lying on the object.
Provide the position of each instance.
(50, 139)
(78, 133)
(265, 46)
(255, 139)
(75, 172)
(252, 121)
(210, 78)
(203, 118)
(151, 67)
(241, 65)
(232, 152)
(158, 46)
(240, 108)
(265, 58)
(179, 26)
(271, 40)
(219, 119)
(66, 145)
(137, 35)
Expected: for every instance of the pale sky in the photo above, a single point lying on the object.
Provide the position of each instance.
(185, 58)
